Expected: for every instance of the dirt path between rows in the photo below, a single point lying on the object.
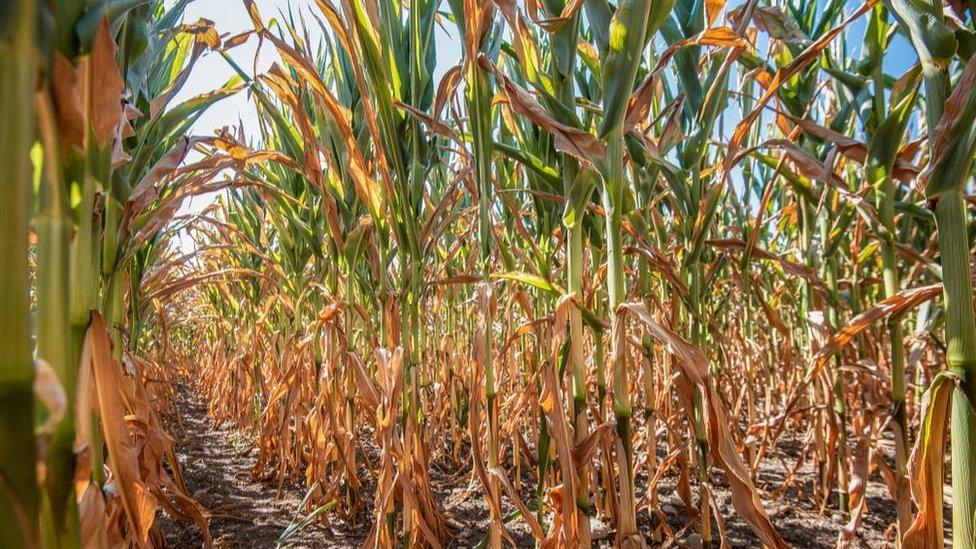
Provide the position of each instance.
(217, 463)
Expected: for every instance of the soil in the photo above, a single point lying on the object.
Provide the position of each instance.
(218, 462)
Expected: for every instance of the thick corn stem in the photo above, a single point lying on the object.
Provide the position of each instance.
(18, 487)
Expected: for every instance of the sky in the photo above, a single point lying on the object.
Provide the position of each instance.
(230, 18)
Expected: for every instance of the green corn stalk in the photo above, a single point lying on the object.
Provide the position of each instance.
(18, 487)
(63, 309)
(882, 152)
(948, 170)
(577, 188)
(479, 105)
(630, 30)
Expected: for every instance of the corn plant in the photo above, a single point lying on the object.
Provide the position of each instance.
(618, 242)
(96, 209)
(949, 115)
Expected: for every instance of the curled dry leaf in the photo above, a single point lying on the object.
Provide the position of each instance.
(694, 365)
(928, 458)
(573, 141)
(123, 450)
(107, 87)
(67, 83)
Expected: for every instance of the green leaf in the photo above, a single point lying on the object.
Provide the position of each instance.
(579, 196)
(535, 281)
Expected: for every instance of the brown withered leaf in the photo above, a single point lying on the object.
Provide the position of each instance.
(123, 450)
(146, 190)
(551, 399)
(190, 281)
(477, 20)
(805, 163)
(107, 87)
(712, 10)
(66, 82)
(527, 515)
(584, 450)
(800, 62)
(660, 263)
(859, 482)
(91, 510)
(927, 464)
(573, 141)
(236, 40)
(694, 365)
(252, 10)
(719, 37)
(639, 104)
(445, 89)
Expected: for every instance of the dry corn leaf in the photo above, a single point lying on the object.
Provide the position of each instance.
(928, 456)
(68, 84)
(107, 87)
(694, 365)
(123, 450)
(573, 141)
(712, 10)
(800, 62)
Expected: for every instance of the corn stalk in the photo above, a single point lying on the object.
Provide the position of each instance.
(19, 497)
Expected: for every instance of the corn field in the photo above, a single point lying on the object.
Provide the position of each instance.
(632, 273)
